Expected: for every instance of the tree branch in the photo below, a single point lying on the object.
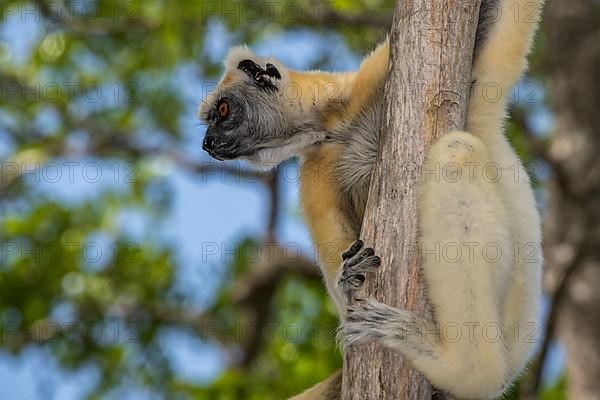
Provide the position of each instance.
(558, 295)
(90, 25)
(332, 18)
(540, 150)
(425, 96)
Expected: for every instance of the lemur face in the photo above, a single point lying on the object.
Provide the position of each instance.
(248, 117)
(242, 116)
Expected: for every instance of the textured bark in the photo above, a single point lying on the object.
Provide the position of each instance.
(572, 222)
(426, 95)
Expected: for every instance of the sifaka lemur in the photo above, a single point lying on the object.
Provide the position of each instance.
(486, 300)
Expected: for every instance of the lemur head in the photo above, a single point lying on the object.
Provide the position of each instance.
(249, 116)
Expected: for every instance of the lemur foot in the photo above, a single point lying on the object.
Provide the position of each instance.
(369, 320)
(356, 262)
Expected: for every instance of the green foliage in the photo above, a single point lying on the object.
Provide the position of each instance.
(299, 347)
(556, 392)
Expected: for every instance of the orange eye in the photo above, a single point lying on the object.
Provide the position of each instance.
(223, 109)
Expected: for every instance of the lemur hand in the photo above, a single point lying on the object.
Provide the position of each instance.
(356, 262)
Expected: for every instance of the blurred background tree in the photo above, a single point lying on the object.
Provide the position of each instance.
(132, 265)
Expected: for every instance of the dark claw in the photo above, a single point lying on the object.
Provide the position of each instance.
(351, 252)
(366, 253)
(356, 281)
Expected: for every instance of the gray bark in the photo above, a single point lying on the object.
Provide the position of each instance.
(426, 95)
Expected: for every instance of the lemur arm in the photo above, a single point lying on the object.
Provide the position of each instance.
(320, 193)
(320, 198)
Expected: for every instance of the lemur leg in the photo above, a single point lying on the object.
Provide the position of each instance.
(464, 243)
(499, 65)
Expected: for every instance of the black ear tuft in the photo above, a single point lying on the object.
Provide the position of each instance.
(251, 68)
(261, 77)
(272, 71)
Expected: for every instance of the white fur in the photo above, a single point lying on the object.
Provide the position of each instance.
(269, 157)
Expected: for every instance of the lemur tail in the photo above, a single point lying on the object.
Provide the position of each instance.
(509, 28)
(329, 389)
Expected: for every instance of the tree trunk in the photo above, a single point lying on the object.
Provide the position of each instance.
(426, 95)
(572, 223)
